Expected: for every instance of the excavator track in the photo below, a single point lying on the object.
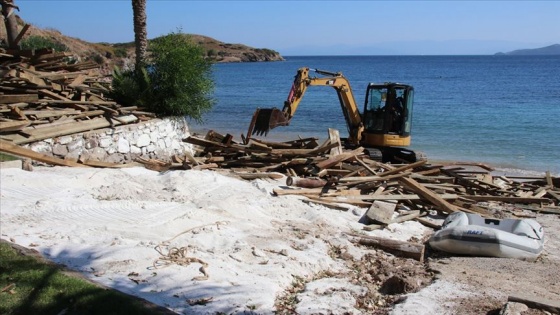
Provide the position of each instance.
(395, 155)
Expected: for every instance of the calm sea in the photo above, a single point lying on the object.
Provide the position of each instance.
(500, 110)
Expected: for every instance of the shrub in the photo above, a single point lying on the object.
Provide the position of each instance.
(97, 58)
(120, 52)
(131, 87)
(180, 77)
(38, 42)
(176, 82)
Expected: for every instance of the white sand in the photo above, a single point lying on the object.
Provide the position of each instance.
(106, 224)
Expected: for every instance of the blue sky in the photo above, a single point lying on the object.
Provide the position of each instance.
(318, 27)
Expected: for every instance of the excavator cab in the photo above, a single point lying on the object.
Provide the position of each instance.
(387, 114)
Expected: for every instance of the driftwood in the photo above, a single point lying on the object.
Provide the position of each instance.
(399, 248)
(536, 302)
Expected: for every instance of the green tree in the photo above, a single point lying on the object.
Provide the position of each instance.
(176, 81)
(180, 76)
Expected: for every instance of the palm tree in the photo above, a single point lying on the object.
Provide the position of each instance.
(10, 22)
(140, 31)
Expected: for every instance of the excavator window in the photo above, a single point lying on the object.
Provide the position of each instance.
(386, 110)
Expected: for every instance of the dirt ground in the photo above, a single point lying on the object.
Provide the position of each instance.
(487, 282)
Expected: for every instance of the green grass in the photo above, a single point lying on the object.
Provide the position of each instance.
(42, 288)
(7, 157)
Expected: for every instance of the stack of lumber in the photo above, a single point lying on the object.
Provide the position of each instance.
(45, 94)
(325, 174)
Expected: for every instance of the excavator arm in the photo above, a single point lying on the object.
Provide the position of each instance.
(265, 119)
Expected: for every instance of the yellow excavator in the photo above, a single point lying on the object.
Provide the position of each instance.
(382, 128)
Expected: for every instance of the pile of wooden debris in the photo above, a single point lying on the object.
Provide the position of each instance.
(327, 175)
(46, 94)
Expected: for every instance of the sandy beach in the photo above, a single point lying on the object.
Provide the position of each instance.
(204, 242)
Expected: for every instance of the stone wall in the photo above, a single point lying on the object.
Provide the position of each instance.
(152, 139)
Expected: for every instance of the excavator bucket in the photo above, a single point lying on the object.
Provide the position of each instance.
(265, 119)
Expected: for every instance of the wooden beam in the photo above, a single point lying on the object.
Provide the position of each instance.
(381, 211)
(18, 98)
(21, 33)
(334, 137)
(402, 168)
(412, 215)
(536, 302)
(11, 148)
(400, 197)
(339, 158)
(428, 195)
(13, 125)
(67, 129)
(524, 200)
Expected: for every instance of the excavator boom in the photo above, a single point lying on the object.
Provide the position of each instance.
(265, 119)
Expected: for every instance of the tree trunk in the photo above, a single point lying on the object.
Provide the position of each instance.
(8, 8)
(140, 31)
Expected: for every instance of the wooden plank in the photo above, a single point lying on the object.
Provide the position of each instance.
(18, 98)
(66, 129)
(536, 302)
(303, 191)
(326, 204)
(339, 158)
(78, 80)
(109, 165)
(94, 103)
(17, 112)
(524, 200)
(60, 76)
(367, 167)
(31, 78)
(53, 95)
(302, 152)
(334, 137)
(549, 179)
(13, 125)
(11, 148)
(428, 195)
(381, 211)
(54, 55)
(402, 168)
(249, 176)
(366, 179)
(50, 113)
(412, 215)
(552, 210)
(359, 203)
(554, 194)
(428, 223)
(400, 197)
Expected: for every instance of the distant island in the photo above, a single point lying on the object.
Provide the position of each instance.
(548, 50)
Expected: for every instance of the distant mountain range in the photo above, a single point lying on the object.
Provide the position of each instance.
(414, 47)
(548, 50)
